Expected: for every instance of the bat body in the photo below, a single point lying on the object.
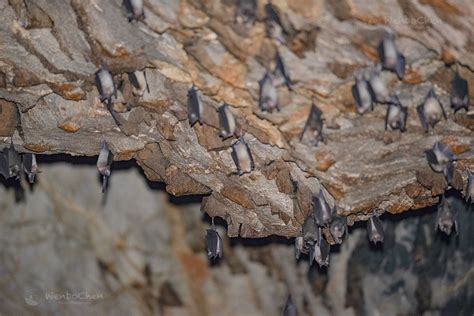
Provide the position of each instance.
(440, 158)
(396, 115)
(14, 162)
(268, 95)
(375, 229)
(273, 24)
(447, 217)
(362, 96)
(314, 126)
(459, 93)
(106, 87)
(135, 10)
(226, 122)
(242, 157)
(338, 228)
(194, 106)
(299, 246)
(322, 211)
(139, 82)
(322, 249)
(214, 244)
(281, 72)
(246, 12)
(289, 309)
(377, 88)
(30, 166)
(104, 162)
(430, 111)
(470, 186)
(390, 56)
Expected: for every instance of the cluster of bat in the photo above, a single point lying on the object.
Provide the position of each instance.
(12, 163)
(370, 88)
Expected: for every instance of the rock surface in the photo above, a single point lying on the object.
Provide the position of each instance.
(51, 49)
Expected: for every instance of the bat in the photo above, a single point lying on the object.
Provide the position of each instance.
(281, 72)
(322, 249)
(194, 106)
(104, 162)
(375, 229)
(213, 243)
(470, 186)
(322, 211)
(377, 87)
(106, 87)
(246, 12)
(4, 168)
(226, 121)
(289, 309)
(314, 125)
(135, 10)
(459, 93)
(30, 166)
(390, 56)
(139, 82)
(430, 111)
(14, 162)
(396, 115)
(446, 217)
(338, 228)
(440, 158)
(268, 96)
(273, 24)
(362, 96)
(242, 157)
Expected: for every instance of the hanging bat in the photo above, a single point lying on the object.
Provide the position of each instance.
(273, 24)
(390, 56)
(362, 96)
(440, 158)
(289, 309)
(338, 228)
(214, 243)
(310, 235)
(139, 82)
(459, 93)
(377, 87)
(268, 95)
(194, 106)
(447, 217)
(242, 157)
(322, 211)
(104, 163)
(30, 166)
(314, 125)
(470, 186)
(430, 111)
(14, 162)
(281, 72)
(226, 122)
(246, 12)
(396, 115)
(375, 229)
(135, 10)
(106, 87)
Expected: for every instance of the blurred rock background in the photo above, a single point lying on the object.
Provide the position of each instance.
(143, 253)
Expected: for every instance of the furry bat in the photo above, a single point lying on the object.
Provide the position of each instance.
(396, 116)
(194, 106)
(314, 125)
(390, 56)
(104, 162)
(430, 111)
(242, 157)
(375, 229)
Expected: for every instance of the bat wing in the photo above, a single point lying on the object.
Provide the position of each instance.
(400, 67)
(470, 184)
(404, 118)
(146, 81)
(381, 52)
(236, 159)
(355, 94)
(4, 168)
(387, 115)
(421, 115)
(99, 84)
(133, 80)
(252, 164)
